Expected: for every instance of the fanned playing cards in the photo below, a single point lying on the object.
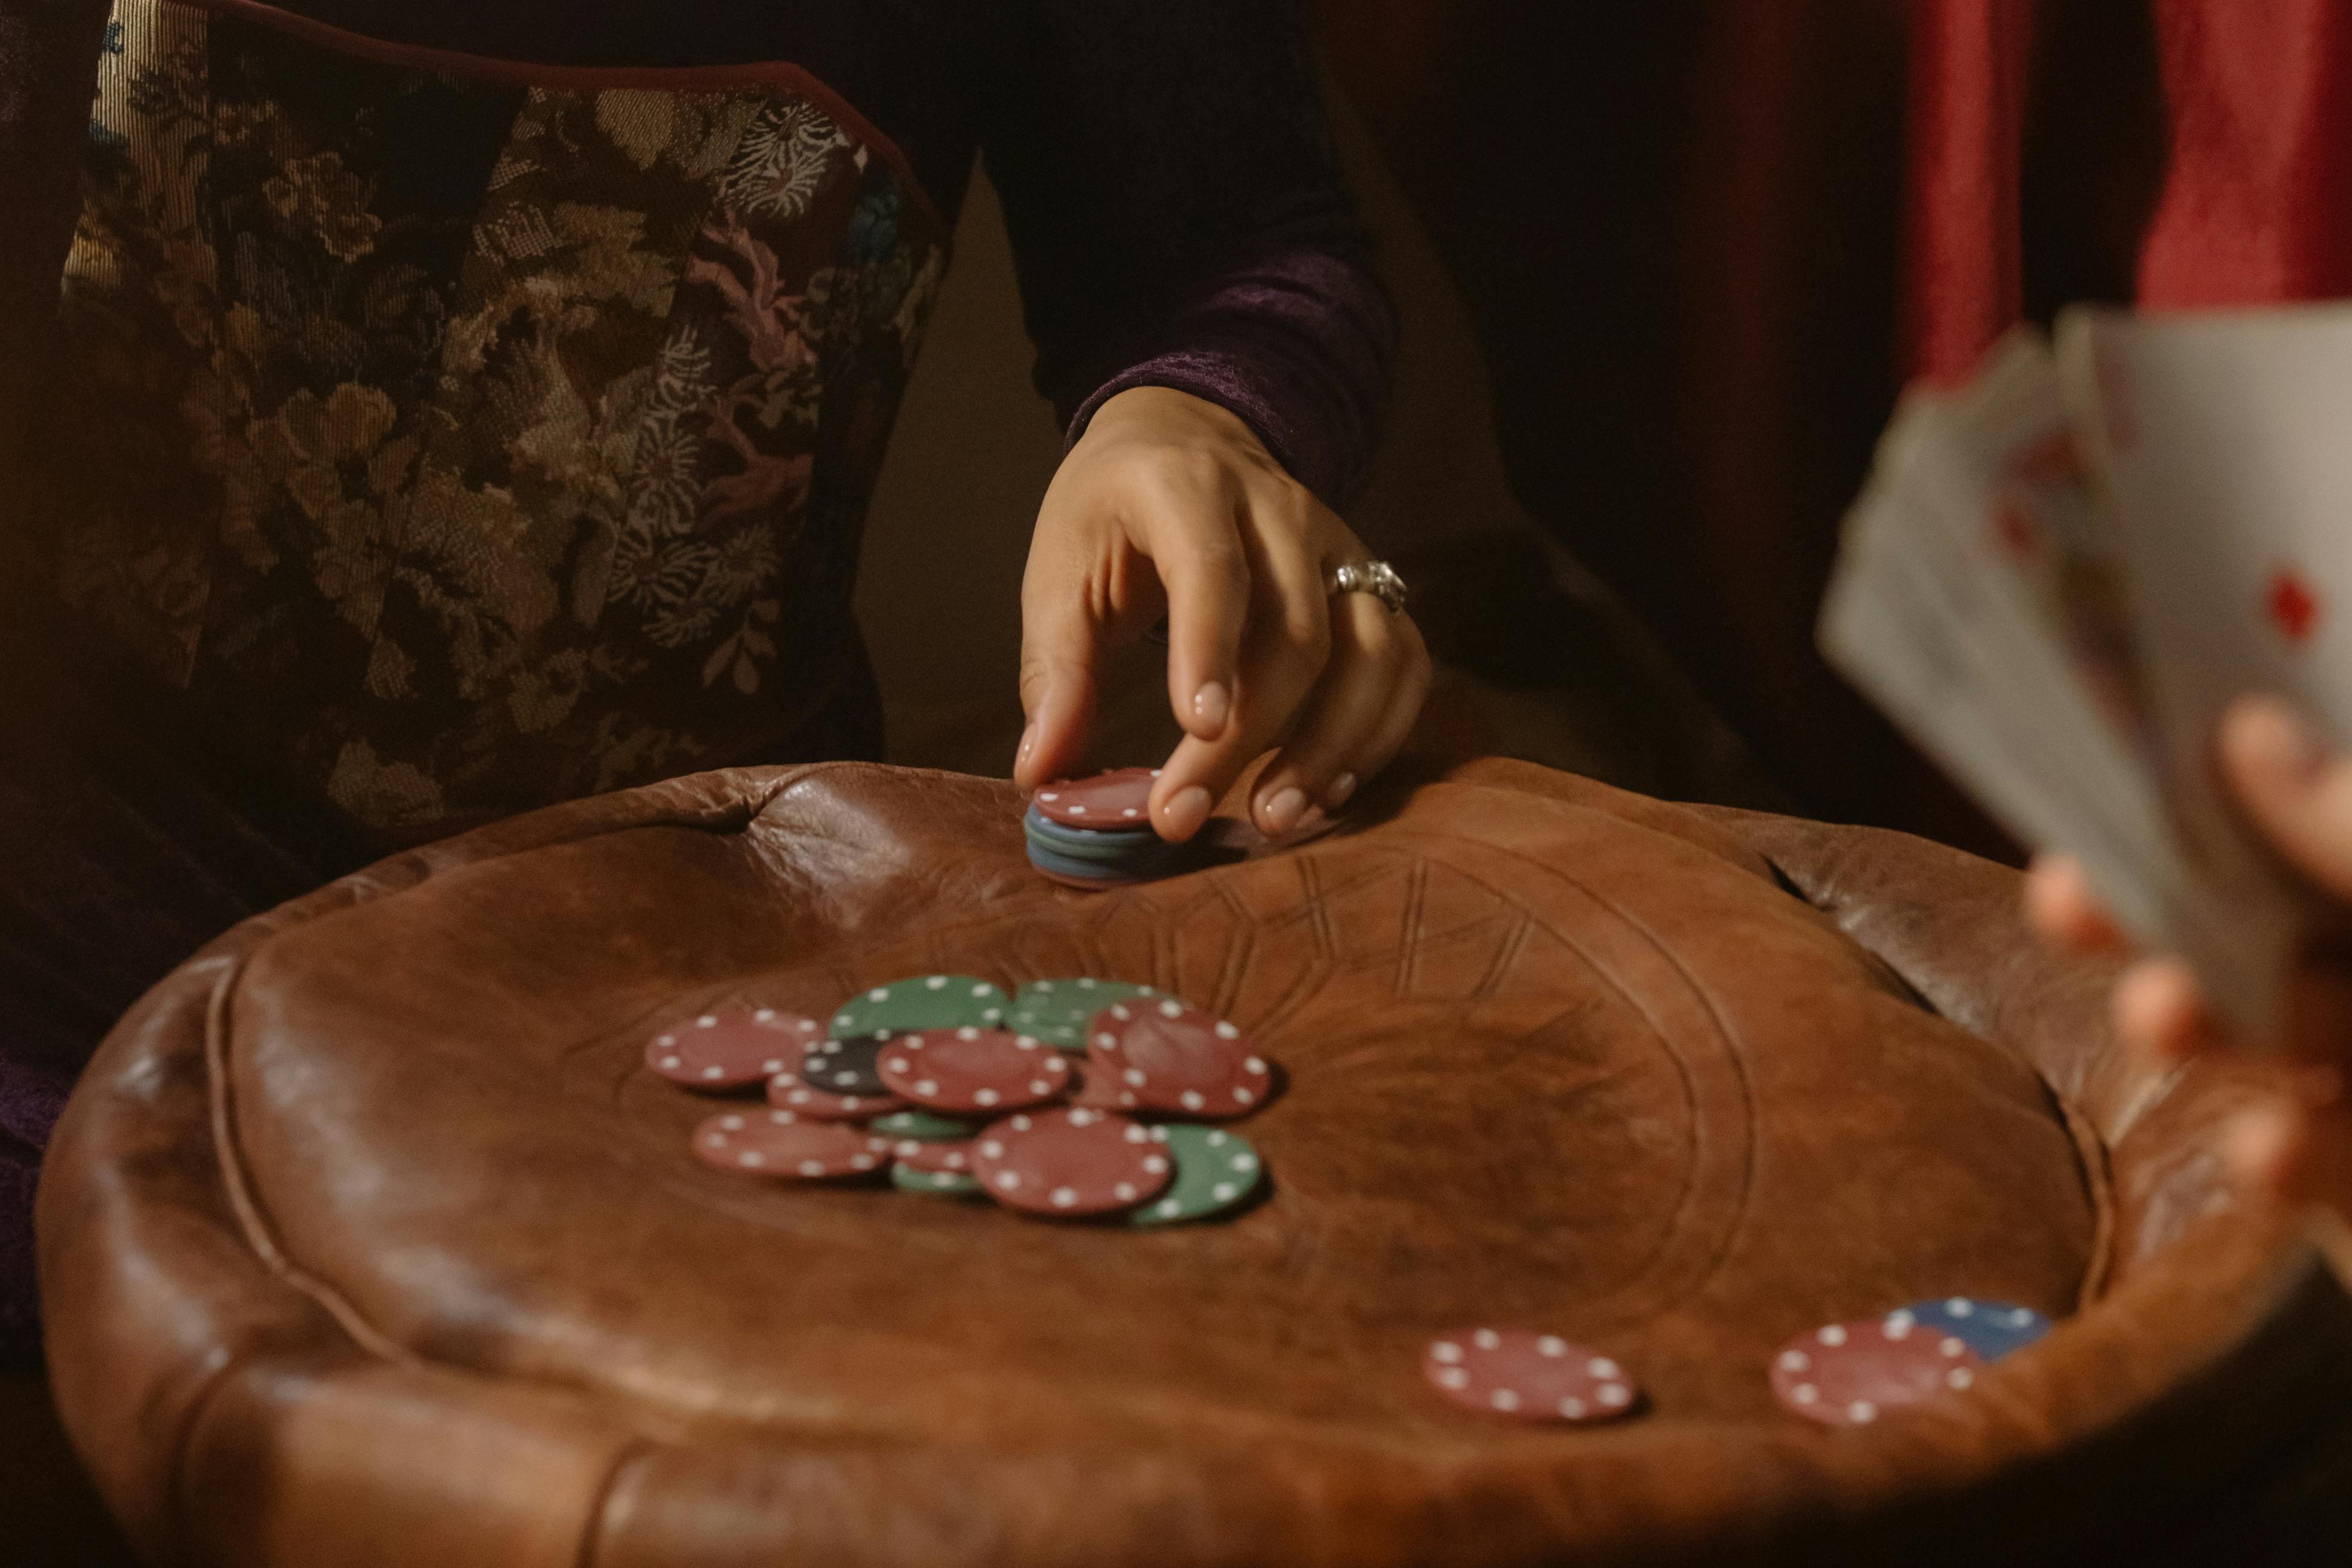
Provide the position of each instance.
(2061, 574)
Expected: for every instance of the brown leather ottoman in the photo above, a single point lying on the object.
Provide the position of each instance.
(367, 1239)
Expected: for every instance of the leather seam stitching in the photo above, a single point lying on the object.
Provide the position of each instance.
(253, 1219)
(184, 1447)
(600, 1505)
(244, 1202)
(1880, 962)
(2083, 1134)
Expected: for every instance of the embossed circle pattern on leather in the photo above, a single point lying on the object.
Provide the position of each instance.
(1548, 1066)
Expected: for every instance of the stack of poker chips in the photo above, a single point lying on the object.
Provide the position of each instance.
(1097, 832)
(1078, 1098)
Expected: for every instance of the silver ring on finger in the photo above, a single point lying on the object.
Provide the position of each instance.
(1377, 577)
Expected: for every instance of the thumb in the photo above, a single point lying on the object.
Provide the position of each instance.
(2296, 796)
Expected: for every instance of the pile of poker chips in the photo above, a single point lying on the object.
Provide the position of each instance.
(1841, 1374)
(1076, 1098)
(1097, 832)
(1053, 1102)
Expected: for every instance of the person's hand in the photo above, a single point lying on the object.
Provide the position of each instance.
(2299, 800)
(1170, 503)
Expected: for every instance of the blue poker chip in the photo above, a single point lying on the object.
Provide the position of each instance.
(1039, 826)
(1991, 1328)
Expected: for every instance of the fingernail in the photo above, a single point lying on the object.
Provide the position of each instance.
(1028, 744)
(1186, 810)
(1282, 813)
(2279, 738)
(1342, 788)
(1211, 705)
(2259, 1146)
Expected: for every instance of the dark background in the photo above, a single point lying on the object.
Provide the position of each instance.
(1648, 256)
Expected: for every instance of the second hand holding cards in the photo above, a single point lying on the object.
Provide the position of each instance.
(2061, 574)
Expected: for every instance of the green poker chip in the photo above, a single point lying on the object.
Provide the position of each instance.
(923, 1127)
(934, 1183)
(1215, 1171)
(922, 1001)
(1058, 1011)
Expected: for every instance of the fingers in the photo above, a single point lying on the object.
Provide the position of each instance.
(2262, 1146)
(1060, 645)
(2296, 1151)
(2296, 795)
(1197, 547)
(2160, 1013)
(2298, 1148)
(2299, 799)
(1285, 647)
(1238, 553)
(1357, 717)
(2060, 905)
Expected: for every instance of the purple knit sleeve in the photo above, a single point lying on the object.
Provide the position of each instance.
(1179, 219)
(1298, 345)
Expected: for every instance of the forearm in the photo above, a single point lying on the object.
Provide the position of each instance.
(1181, 219)
(1299, 345)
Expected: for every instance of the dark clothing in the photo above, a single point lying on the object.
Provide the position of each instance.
(1149, 156)
(441, 434)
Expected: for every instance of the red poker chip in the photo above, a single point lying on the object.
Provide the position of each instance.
(790, 1092)
(1119, 799)
(1848, 1375)
(1070, 1162)
(973, 1069)
(733, 1048)
(1098, 1089)
(782, 1144)
(1528, 1376)
(1177, 1059)
(933, 1159)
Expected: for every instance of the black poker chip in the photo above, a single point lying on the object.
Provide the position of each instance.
(846, 1066)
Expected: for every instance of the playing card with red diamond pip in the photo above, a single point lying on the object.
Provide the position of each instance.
(2061, 572)
(2218, 441)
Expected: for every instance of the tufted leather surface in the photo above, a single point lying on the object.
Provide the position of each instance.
(366, 1240)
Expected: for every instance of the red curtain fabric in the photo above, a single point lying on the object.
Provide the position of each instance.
(2255, 202)
(1677, 227)
(1970, 62)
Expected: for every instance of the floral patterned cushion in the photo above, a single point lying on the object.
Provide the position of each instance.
(463, 437)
